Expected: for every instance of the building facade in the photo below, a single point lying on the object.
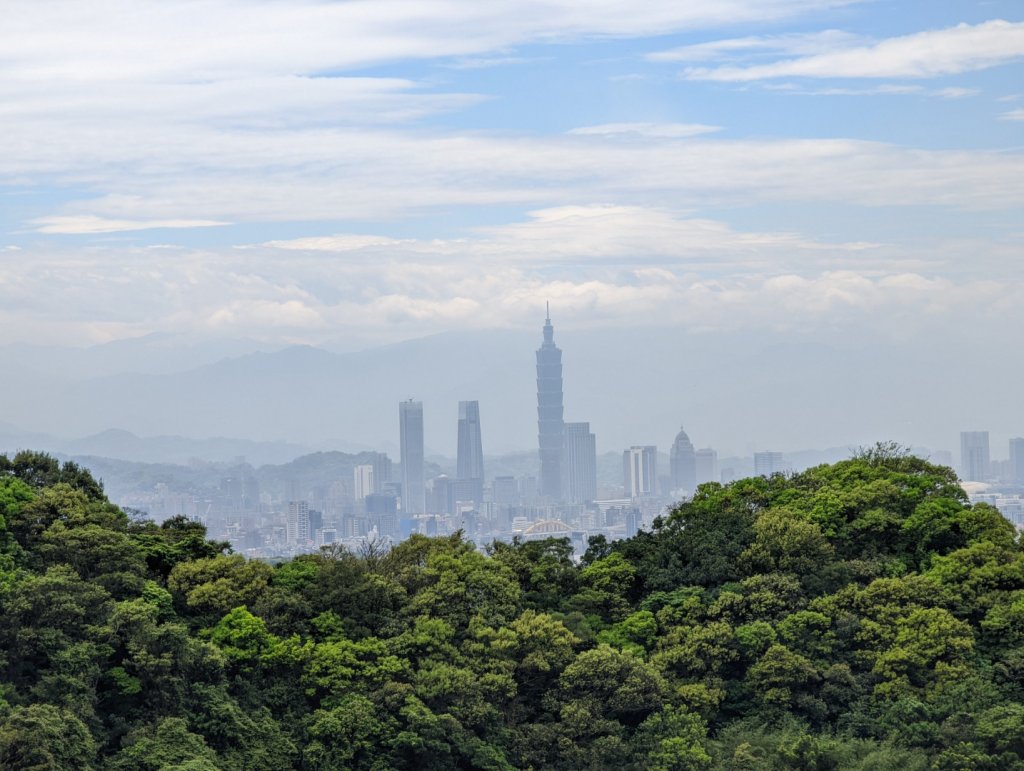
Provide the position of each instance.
(410, 425)
(682, 461)
(579, 463)
(363, 481)
(470, 457)
(1017, 460)
(974, 456)
(707, 466)
(640, 471)
(768, 463)
(550, 413)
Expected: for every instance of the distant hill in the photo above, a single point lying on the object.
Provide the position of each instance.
(635, 386)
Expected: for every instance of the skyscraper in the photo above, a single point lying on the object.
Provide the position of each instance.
(410, 425)
(579, 463)
(768, 463)
(682, 461)
(974, 456)
(470, 460)
(1017, 460)
(363, 481)
(550, 413)
(707, 466)
(297, 526)
(640, 471)
(381, 471)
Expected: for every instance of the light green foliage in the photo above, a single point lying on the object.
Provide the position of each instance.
(781, 675)
(458, 587)
(354, 735)
(167, 745)
(930, 644)
(337, 666)
(245, 641)
(786, 542)
(14, 494)
(672, 740)
(218, 584)
(635, 633)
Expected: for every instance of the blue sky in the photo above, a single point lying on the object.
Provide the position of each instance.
(286, 170)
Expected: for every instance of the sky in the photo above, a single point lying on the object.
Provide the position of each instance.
(369, 171)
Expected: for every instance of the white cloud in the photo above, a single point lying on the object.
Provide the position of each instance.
(885, 89)
(1013, 114)
(214, 174)
(953, 50)
(758, 46)
(160, 40)
(337, 243)
(659, 130)
(955, 92)
(598, 263)
(593, 235)
(88, 224)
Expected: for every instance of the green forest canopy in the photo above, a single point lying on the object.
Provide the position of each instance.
(861, 615)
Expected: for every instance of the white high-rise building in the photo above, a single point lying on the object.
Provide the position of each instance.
(579, 463)
(297, 530)
(363, 482)
(974, 456)
(768, 463)
(707, 465)
(640, 471)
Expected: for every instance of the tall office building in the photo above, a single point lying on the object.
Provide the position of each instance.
(381, 471)
(768, 463)
(1017, 460)
(974, 457)
(410, 425)
(363, 480)
(640, 471)
(505, 491)
(707, 466)
(682, 461)
(579, 463)
(550, 413)
(297, 525)
(442, 495)
(470, 459)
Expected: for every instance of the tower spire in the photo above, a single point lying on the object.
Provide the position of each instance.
(547, 311)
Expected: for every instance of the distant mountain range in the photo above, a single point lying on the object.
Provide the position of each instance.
(736, 393)
(126, 446)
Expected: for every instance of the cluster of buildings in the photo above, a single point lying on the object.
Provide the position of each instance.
(977, 465)
(567, 497)
(999, 483)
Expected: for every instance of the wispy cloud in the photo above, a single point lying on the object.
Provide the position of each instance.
(1017, 114)
(660, 130)
(932, 53)
(885, 89)
(88, 224)
(599, 263)
(803, 44)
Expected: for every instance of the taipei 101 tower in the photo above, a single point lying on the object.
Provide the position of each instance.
(549, 412)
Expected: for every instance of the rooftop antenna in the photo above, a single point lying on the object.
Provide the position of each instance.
(547, 306)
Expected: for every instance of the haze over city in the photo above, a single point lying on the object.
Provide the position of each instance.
(788, 225)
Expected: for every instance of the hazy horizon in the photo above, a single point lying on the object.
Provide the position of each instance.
(783, 225)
